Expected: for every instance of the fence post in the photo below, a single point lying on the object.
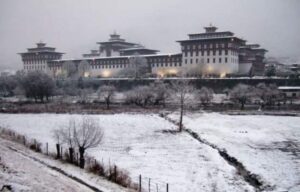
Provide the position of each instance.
(61, 152)
(115, 170)
(47, 148)
(140, 183)
(167, 187)
(149, 185)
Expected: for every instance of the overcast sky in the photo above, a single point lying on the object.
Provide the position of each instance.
(74, 26)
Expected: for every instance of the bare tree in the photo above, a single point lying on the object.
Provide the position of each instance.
(241, 93)
(161, 92)
(205, 95)
(141, 96)
(268, 94)
(57, 135)
(84, 94)
(37, 85)
(7, 85)
(107, 92)
(66, 134)
(138, 67)
(182, 94)
(87, 134)
(84, 134)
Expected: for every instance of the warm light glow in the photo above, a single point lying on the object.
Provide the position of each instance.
(160, 74)
(172, 71)
(106, 73)
(222, 75)
(210, 68)
(86, 74)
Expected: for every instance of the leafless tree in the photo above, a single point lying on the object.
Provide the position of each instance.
(205, 95)
(87, 134)
(57, 135)
(138, 67)
(84, 94)
(268, 94)
(161, 92)
(141, 96)
(107, 92)
(241, 93)
(182, 93)
(7, 85)
(37, 85)
(83, 134)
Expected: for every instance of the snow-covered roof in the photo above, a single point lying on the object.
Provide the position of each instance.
(289, 87)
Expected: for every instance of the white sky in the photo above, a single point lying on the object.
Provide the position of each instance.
(74, 26)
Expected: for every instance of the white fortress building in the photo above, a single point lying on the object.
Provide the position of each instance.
(211, 53)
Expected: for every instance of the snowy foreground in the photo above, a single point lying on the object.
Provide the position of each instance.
(267, 145)
(136, 143)
(25, 170)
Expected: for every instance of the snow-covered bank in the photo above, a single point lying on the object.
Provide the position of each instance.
(136, 143)
(267, 145)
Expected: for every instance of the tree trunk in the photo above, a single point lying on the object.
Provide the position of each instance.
(81, 157)
(58, 151)
(71, 153)
(181, 115)
(107, 103)
(242, 106)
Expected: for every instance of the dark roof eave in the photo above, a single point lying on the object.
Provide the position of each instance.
(211, 33)
(188, 40)
(109, 42)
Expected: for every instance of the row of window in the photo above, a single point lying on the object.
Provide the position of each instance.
(203, 53)
(166, 64)
(213, 60)
(35, 62)
(32, 57)
(119, 61)
(37, 67)
(109, 66)
(157, 60)
(206, 46)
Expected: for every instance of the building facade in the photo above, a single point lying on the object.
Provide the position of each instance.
(211, 53)
(36, 59)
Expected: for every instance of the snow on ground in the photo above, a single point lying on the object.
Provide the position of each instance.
(24, 174)
(135, 143)
(267, 145)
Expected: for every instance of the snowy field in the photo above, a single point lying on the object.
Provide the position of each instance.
(267, 145)
(135, 142)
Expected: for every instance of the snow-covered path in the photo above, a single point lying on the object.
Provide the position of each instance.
(25, 174)
(26, 170)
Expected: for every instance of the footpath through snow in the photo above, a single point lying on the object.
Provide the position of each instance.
(24, 170)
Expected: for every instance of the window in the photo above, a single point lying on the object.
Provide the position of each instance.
(208, 53)
(214, 52)
(197, 53)
(214, 60)
(197, 60)
(191, 61)
(185, 61)
(207, 60)
(185, 54)
(220, 52)
(226, 60)
(202, 53)
(220, 60)
(226, 52)
(192, 53)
